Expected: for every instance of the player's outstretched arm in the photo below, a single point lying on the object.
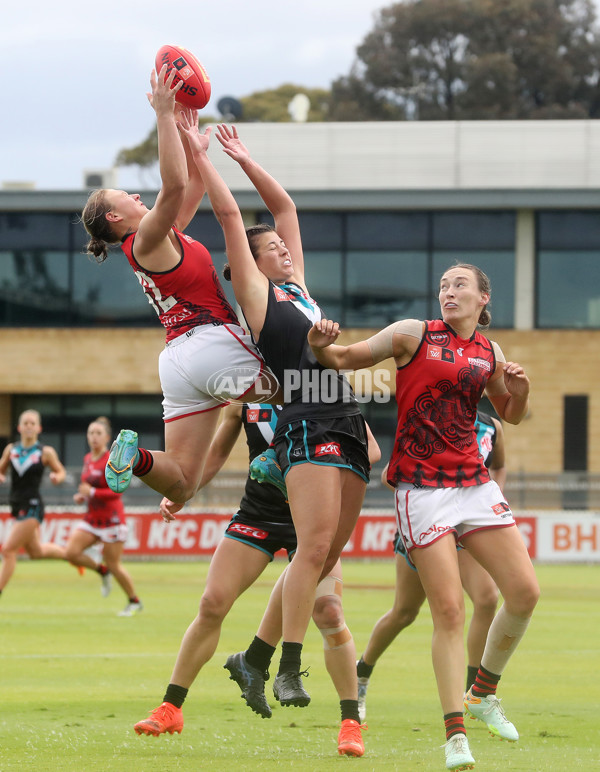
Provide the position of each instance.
(322, 337)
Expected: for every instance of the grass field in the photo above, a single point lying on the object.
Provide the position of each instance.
(75, 678)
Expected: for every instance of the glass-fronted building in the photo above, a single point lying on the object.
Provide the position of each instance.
(376, 240)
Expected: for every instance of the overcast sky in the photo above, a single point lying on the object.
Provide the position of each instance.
(77, 70)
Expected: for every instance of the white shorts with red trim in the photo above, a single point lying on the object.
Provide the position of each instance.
(426, 514)
(206, 367)
(108, 535)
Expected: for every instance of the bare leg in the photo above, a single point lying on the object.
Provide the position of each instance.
(38, 551)
(325, 503)
(176, 472)
(503, 554)
(338, 643)
(271, 624)
(20, 534)
(482, 590)
(79, 541)
(408, 600)
(112, 557)
(438, 569)
(233, 569)
(315, 500)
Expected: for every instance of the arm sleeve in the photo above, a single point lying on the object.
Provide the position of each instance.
(498, 352)
(381, 344)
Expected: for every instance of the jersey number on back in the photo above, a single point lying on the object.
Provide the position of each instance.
(161, 305)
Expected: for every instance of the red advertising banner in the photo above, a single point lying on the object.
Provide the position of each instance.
(549, 536)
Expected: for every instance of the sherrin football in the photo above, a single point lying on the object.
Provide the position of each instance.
(195, 91)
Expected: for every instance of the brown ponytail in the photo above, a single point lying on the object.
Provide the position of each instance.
(94, 221)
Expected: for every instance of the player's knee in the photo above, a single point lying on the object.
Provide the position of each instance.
(182, 491)
(449, 615)
(71, 553)
(525, 600)
(7, 552)
(328, 612)
(486, 602)
(213, 607)
(403, 616)
(314, 555)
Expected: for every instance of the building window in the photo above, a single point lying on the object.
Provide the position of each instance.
(385, 286)
(568, 270)
(484, 239)
(323, 274)
(34, 287)
(366, 269)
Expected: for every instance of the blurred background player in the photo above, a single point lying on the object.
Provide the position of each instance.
(104, 521)
(410, 595)
(27, 460)
(262, 526)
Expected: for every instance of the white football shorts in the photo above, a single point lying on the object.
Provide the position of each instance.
(426, 514)
(109, 535)
(206, 367)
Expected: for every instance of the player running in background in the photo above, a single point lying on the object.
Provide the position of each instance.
(104, 521)
(262, 526)
(410, 594)
(444, 494)
(27, 460)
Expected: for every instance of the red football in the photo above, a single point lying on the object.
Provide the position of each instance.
(195, 91)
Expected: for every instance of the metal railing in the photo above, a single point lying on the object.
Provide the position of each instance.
(560, 490)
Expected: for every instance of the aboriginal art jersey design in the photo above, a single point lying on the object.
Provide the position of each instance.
(105, 508)
(437, 393)
(26, 469)
(310, 390)
(260, 500)
(188, 295)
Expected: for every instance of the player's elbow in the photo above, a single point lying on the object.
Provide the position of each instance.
(227, 214)
(174, 191)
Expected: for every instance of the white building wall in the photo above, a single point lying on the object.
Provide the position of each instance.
(433, 155)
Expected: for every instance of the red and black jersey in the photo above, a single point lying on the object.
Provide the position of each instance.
(437, 394)
(187, 295)
(105, 508)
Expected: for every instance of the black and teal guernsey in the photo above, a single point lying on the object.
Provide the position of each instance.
(264, 502)
(310, 390)
(485, 430)
(26, 469)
